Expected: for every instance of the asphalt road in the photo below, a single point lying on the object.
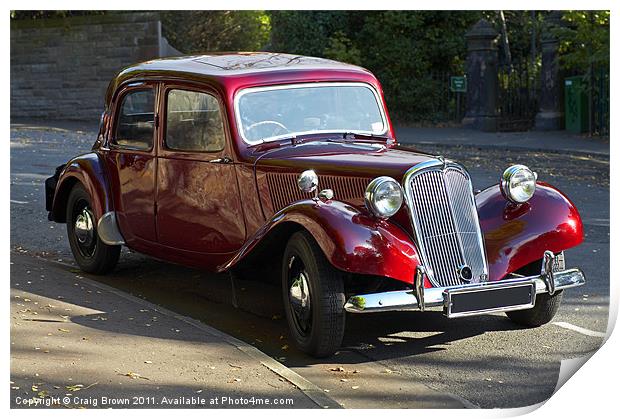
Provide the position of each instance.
(486, 361)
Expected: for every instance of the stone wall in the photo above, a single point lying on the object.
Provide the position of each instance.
(60, 68)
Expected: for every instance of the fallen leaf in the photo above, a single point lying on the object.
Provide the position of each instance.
(344, 380)
(355, 387)
(337, 369)
(134, 375)
(284, 348)
(148, 362)
(234, 366)
(63, 330)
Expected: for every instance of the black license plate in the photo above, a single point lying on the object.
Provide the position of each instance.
(467, 302)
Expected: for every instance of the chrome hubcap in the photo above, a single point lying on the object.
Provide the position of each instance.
(299, 299)
(84, 228)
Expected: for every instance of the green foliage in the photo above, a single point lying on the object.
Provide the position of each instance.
(341, 48)
(584, 40)
(216, 30)
(305, 32)
(520, 26)
(49, 14)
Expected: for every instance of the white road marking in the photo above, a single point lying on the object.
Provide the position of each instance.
(13, 201)
(581, 330)
(601, 222)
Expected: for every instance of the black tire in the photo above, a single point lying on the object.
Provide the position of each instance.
(542, 313)
(319, 330)
(545, 308)
(91, 254)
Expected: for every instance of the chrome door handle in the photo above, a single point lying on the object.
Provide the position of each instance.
(222, 160)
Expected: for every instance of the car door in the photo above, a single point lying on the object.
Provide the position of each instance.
(131, 159)
(198, 203)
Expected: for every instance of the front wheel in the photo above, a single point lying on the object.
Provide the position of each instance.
(544, 309)
(91, 254)
(542, 313)
(313, 292)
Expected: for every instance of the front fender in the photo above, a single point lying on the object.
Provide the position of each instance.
(89, 170)
(351, 240)
(518, 234)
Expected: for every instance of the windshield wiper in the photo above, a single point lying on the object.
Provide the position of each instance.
(295, 139)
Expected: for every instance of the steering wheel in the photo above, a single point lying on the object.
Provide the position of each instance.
(278, 126)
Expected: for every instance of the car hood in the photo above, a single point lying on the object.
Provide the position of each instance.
(366, 160)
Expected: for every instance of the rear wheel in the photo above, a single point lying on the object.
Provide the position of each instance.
(545, 308)
(91, 254)
(313, 293)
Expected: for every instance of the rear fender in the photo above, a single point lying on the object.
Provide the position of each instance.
(516, 235)
(351, 240)
(89, 170)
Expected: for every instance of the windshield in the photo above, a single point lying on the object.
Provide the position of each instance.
(275, 112)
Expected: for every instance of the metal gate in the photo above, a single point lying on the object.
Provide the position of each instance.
(518, 92)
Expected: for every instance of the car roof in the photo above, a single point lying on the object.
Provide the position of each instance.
(223, 67)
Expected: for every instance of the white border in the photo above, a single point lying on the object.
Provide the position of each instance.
(592, 392)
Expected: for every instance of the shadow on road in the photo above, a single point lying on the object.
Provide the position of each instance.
(259, 320)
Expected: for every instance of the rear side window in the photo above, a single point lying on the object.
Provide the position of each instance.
(193, 122)
(136, 120)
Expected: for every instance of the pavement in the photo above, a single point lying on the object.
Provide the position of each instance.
(387, 360)
(556, 141)
(78, 343)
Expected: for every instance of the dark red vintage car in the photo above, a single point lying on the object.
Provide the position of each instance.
(231, 161)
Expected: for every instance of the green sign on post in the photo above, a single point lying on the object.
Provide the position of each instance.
(458, 84)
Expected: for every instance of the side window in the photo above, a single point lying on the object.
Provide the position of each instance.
(136, 117)
(193, 122)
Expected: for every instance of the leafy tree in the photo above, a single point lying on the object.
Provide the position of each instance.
(305, 31)
(341, 48)
(216, 30)
(584, 39)
(48, 14)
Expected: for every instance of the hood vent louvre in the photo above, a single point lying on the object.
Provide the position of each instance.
(284, 191)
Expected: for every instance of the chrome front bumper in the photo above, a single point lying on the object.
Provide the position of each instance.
(547, 282)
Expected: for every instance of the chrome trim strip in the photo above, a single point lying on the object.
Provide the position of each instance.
(406, 299)
(444, 165)
(302, 85)
(108, 230)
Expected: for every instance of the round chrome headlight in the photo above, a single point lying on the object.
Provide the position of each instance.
(383, 197)
(518, 183)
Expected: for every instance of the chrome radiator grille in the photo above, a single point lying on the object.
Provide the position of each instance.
(445, 220)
